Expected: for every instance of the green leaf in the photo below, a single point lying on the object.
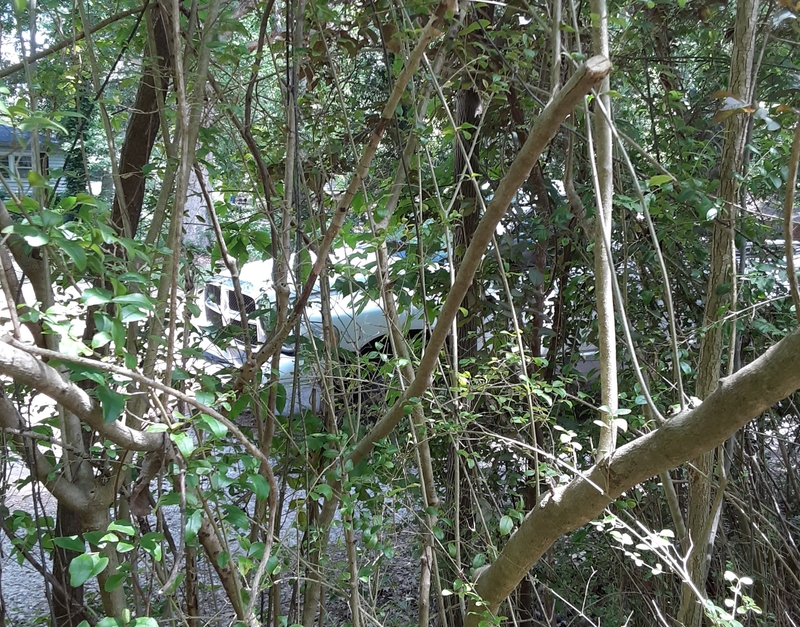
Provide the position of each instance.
(67, 203)
(213, 426)
(100, 339)
(112, 403)
(133, 277)
(193, 523)
(115, 581)
(75, 252)
(86, 566)
(506, 525)
(36, 180)
(236, 517)
(469, 29)
(93, 537)
(71, 543)
(184, 443)
(325, 490)
(131, 313)
(239, 406)
(35, 123)
(139, 300)
(36, 238)
(259, 486)
(273, 565)
(151, 543)
(86, 199)
(109, 537)
(122, 526)
(660, 179)
(144, 621)
(96, 296)
(206, 398)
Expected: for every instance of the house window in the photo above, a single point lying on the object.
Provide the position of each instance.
(23, 164)
(5, 166)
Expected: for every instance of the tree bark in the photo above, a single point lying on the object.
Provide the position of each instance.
(701, 472)
(604, 189)
(27, 370)
(468, 103)
(142, 130)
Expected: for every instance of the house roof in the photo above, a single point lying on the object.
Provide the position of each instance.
(10, 135)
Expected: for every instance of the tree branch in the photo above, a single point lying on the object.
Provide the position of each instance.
(70, 494)
(147, 382)
(738, 399)
(27, 370)
(545, 128)
(543, 131)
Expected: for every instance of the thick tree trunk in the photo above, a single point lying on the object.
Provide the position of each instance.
(68, 523)
(700, 505)
(142, 130)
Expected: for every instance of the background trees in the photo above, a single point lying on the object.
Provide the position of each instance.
(455, 148)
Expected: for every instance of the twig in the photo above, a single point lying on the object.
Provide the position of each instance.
(788, 219)
(227, 258)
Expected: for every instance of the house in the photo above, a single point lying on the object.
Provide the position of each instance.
(16, 161)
